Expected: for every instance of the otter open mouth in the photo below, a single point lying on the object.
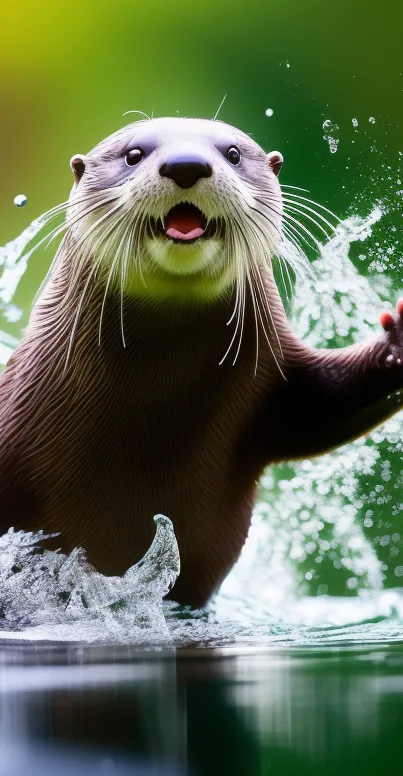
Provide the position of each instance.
(185, 223)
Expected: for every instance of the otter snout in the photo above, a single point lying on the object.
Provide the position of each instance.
(186, 170)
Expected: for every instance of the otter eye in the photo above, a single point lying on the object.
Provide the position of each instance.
(233, 155)
(134, 156)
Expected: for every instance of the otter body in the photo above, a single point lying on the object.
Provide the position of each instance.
(126, 397)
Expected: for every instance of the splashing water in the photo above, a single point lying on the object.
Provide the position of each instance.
(52, 595)
(318, 532)
(13, 264)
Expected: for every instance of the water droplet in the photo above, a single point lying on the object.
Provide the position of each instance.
(269, 112)
(371, 120)
(330, 136)
(354, 122)
(333, 144)
(20, 200)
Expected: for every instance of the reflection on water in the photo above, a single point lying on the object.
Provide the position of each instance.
(118, 711)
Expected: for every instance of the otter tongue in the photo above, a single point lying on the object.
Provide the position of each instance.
(183, 224)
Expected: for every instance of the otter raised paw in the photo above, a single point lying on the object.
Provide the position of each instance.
(393, 325)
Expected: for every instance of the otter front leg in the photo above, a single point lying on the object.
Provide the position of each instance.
(334, 396)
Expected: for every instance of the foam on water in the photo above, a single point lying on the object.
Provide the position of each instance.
(318, 531)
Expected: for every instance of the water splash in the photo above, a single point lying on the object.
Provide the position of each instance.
(50, 595)
(13, 264)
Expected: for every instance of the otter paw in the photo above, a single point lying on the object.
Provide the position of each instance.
(392, 323)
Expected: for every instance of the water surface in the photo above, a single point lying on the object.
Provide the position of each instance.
(231, 711)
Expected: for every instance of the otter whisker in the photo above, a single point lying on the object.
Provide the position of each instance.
(123, 275)
(280, 264)
(235, 305)
(58, 229)
(50, 270)
(269, 202)
(232, 340)
(261, 249)
(294, 209)
(242, 315)
(110, 275)
(75, 219)
(219, 107)
(297, 188)
(260, 287)
(98, 223)
(293, 221)
(96, 266)
(290, 251)
(232, 250)
(94, 269)
(238, 292)
(282, 260)
(293, 197)
(292, 239)
(241, 306)
(295, 237)
(139, 112)
(270, 220)
(91, 274)
(138, 231)
(265, 304)
(57, 209)
(254, 305)
(300, 266)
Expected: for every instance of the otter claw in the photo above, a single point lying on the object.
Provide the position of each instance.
(392, 323)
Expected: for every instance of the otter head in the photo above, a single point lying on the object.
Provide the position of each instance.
(177, 207)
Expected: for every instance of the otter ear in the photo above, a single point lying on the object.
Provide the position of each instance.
(275, 160)
(77, 164)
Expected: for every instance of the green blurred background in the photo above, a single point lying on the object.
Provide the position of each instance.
(69, 70)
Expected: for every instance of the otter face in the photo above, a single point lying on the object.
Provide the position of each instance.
(177, 206)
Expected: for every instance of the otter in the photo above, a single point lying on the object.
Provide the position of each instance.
(159, 372)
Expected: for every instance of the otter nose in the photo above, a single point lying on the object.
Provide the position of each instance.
(186, 170)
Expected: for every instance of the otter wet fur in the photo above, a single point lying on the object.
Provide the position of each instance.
(159, 372)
